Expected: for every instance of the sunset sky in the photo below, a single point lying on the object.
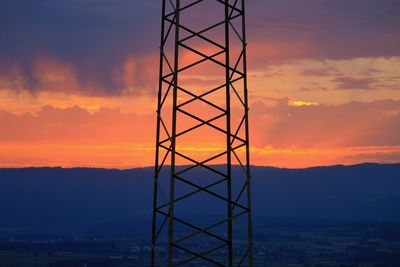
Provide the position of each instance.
(78, 82)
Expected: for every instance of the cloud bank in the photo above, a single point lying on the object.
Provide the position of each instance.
(92, 43)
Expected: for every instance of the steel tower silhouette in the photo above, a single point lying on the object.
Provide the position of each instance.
(202, 140)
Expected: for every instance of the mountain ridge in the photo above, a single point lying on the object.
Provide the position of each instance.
(252, 166)
(55, 197)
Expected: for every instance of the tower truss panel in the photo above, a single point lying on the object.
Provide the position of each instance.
(202, 200)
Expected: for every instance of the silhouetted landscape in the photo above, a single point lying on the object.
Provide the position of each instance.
(322, 216)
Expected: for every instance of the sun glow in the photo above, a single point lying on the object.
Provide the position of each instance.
(299, 103)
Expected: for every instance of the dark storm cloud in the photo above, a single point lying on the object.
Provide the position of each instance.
(337, 29)
(97, 36)
(94, 36)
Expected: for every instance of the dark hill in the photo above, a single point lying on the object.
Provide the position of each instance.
(82, 198)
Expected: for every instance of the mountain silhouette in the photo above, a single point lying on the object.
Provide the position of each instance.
(84, 198)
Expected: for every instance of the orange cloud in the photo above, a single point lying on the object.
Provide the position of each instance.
(282, 135)
(75, 125)
(354, 124)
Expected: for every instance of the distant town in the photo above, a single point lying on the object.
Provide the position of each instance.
(354, 245)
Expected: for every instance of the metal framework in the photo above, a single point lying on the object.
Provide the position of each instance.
(202, 98)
